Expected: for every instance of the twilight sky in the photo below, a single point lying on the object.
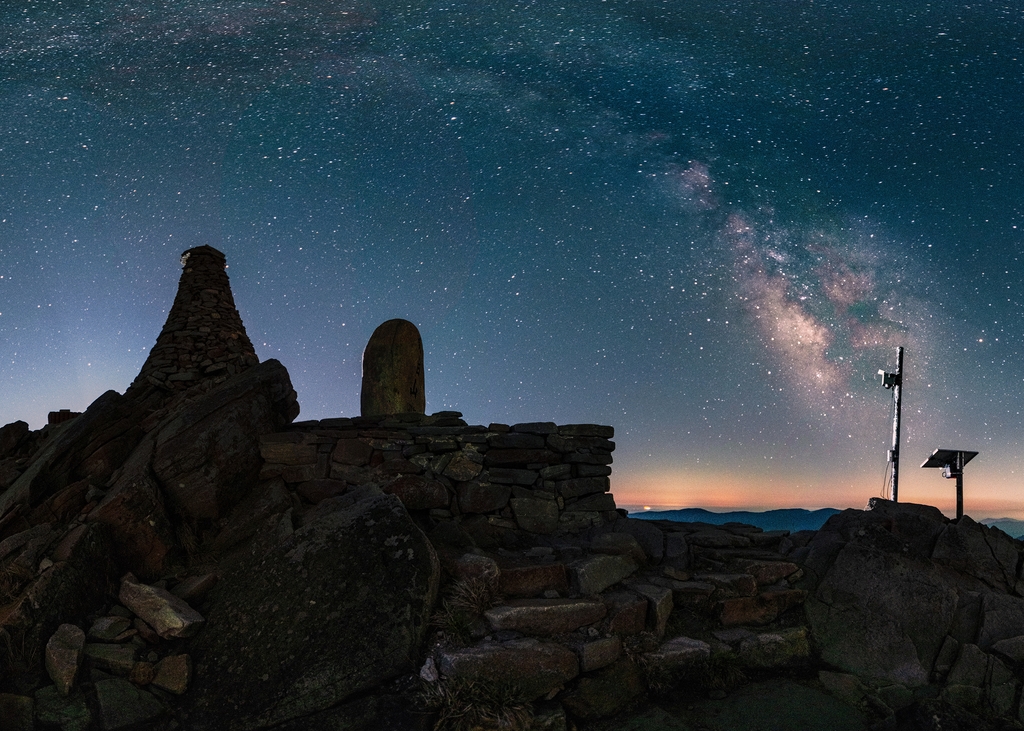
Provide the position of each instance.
(708, 224)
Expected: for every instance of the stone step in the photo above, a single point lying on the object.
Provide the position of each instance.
(535, 667)
(758, 610)
(545, 617)
(527, 581)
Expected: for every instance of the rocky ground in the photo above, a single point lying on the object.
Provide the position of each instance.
(155, 574)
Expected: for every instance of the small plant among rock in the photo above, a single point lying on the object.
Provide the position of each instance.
(13, 577)
(721, 672)
(465, 704)
(474, 595)
(454, 624)
(465, 602)
(16, 655)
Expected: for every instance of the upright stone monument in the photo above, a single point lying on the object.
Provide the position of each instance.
(393, 371)
(204, 336)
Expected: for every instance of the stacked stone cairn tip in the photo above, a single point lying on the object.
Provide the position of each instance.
(204, 337)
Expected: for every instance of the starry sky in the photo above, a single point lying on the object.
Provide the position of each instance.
(706, 223)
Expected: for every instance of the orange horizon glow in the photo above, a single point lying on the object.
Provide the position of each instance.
(985, 496)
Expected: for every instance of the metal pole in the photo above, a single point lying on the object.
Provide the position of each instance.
(897, 397)
(959, 485)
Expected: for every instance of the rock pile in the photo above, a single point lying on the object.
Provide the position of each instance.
(204, 336)
(136, 483)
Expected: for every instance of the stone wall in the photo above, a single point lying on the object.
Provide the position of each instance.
(204, 336)
(539, 477)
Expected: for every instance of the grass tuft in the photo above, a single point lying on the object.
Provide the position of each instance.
(465, 704)
(13, 577)
(464, 603)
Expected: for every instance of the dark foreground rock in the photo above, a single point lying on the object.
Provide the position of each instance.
(890, 600)
(335, 609)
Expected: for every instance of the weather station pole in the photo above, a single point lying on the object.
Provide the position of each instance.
(895, 382)
(952, 462)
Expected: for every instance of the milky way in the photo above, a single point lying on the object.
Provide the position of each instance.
(707, 224)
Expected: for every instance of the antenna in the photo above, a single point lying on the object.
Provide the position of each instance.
(895, 382)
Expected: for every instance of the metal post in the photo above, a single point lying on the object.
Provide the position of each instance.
(959, 485)
(897, 398)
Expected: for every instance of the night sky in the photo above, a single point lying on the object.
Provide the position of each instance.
(706, 223)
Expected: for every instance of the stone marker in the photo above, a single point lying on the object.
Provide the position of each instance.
(393, 371)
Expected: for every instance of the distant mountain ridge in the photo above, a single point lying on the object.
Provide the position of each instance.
(791, 519)
(1013, 528)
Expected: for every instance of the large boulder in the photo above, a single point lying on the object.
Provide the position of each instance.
(882, 615)
(889, 584)
(207, 453)
(980, 551)
(335, 609)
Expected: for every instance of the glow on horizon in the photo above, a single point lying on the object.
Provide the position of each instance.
(719, 491)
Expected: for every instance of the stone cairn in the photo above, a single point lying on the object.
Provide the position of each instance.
(204, 337)
(393, 371)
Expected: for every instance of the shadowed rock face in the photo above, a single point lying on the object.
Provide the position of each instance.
(897, 588)
(337, 607)
(204, 336)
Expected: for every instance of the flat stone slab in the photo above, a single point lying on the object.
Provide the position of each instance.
(545, 617)
(535, 667)
(535, 515)
(627, 613)
(689, 593)
(118, 659)
(106, 629)
(594, 574)
(393, 370)
(168, 615)
(679, 653)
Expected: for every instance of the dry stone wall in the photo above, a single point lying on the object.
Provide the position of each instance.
(537, 477)
(204, 337)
